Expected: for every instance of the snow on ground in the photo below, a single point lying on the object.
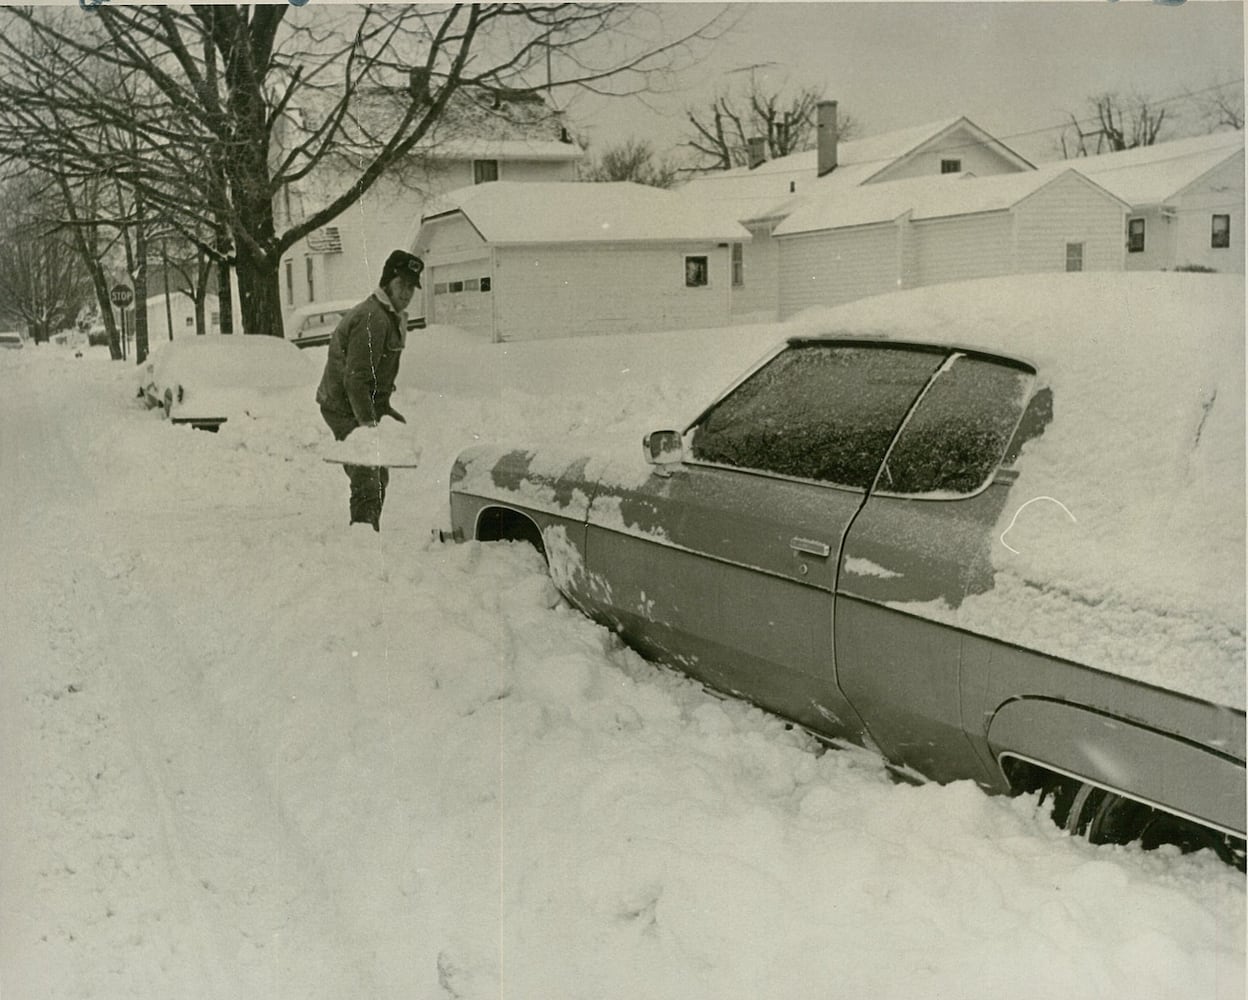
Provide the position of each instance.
(251, 752)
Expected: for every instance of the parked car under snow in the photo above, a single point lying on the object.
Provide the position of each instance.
(313, 324)
(994, 530)
(205, 381)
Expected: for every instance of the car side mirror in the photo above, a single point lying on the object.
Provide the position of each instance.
(663, 449)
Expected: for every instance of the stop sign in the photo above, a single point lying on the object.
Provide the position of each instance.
(121, 295)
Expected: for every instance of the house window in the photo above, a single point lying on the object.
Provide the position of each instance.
(1074, 256)
(1135, 236)
(290, 282)
(455, 286)
(1221, 236)
(311, 281)
(215, 320)
(439, 288)
(951, 166)
(485, 284)
(484, 170)
(697, 272)
(471, 284)
(738, 266)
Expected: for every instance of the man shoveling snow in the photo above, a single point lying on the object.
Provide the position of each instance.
(360, 370)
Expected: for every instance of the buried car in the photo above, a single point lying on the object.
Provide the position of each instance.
(312, 325)
(205, 381)
(993, 530)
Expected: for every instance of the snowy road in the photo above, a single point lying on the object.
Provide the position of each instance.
(247, 752)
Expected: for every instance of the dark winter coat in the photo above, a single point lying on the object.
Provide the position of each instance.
(363, 361)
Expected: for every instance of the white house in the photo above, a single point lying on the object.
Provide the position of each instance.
(486, 139)
(517, 261)
(1186, 197)
(835, 248)
(176, 317)
(762, 195)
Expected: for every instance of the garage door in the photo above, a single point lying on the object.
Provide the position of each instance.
(463, 296)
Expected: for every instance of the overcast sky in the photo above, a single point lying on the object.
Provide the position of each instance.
(1011, 67)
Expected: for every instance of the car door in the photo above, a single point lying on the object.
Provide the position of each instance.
(726, 566)
(920, 546)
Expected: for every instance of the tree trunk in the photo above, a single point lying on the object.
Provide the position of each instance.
(99, 283)
(259, 294)
(203, 271)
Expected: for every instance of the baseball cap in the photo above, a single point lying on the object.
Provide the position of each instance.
(402, 264)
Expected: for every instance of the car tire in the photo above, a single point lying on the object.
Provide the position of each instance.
(1105, 817)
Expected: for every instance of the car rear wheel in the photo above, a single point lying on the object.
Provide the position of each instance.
(1106, 817)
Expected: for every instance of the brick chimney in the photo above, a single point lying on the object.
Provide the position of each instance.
(757, 148)
(826, 127)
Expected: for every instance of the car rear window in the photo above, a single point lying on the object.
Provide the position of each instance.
(956, 437)
(820, 411)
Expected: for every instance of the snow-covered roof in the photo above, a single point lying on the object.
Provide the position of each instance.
(757, 193)
(506, 149)
(159, 297)
(933, 197)
(571, 212)
(1150, 175)
(775, 189)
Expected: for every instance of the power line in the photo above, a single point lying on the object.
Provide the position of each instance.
(979, 143)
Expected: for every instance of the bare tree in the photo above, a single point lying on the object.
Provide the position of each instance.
(1220, 105)
(632, 160)
(721, 133)
(42, 282)
(239, 104)
(1115, 123)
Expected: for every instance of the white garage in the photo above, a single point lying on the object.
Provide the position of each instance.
(530, 261)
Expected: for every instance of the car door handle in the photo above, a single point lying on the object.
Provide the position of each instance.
(810, 547)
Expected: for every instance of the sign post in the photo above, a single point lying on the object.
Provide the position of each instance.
(121, 296)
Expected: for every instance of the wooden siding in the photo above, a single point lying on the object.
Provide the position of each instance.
(1159, 237)
(387, 217)
(1220, 192)
(968, 246)
(537, 170)
(449, 237)
(960, 144)
(758, 299)
(824, 269)
(1071, 211)
(582, 290)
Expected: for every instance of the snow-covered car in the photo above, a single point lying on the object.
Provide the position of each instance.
(311, 325)
(11, 341)
(994, 530)
(205, 381)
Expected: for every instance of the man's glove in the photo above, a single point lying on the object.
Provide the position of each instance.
(396, 414)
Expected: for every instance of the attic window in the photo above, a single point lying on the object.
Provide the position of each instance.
(1220, 238)
(484, 171)
(1135, 236)
(951, 166)
(697, 272)
(1074, 256)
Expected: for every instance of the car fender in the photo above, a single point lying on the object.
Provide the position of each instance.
(538, 481)
(1140, 763)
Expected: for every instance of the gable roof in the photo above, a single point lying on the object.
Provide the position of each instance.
(754, 194)
(517, 212)
(1150, 175)
(774, 189)
(981, 138)
(933, 197)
